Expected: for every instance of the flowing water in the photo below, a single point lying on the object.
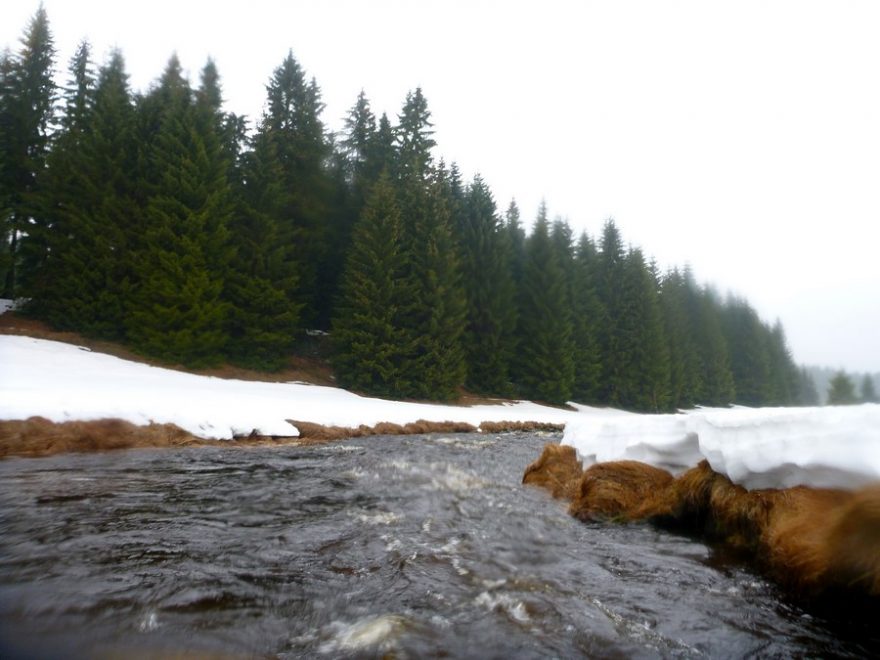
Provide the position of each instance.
(402, 547)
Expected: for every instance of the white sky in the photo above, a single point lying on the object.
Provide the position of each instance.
(740, 137)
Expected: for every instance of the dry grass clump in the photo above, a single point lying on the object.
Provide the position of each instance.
(38, 436)
(617, 490)
(708, 503)
(812, 541)
(557, 470)
(529, 427)
(318, 433)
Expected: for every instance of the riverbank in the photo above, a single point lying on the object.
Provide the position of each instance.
(38, 437)
(816, 542)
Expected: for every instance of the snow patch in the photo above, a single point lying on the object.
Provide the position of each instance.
(831, 447)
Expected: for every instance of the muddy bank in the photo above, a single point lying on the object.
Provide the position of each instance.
(814, 542)
(37, 436)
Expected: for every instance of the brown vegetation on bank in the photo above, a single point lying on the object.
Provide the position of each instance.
(813, 541)
(557, 470)
(37, 436)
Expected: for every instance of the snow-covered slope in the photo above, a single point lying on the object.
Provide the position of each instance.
(832, 447)
(758, 448)
(63, 382)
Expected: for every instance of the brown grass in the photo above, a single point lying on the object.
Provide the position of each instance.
(40, 437)
(812, 541)
(557, 470)
(617, 490)
(311, 432)
(528, 427)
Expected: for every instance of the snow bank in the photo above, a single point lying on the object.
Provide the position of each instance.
(62, 382)
(834, 447)
(757, 448)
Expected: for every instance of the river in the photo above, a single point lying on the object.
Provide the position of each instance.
(403, 547)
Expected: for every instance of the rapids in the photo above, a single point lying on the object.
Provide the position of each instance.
(404, 546)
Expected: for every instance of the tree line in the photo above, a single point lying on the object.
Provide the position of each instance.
(160, 220)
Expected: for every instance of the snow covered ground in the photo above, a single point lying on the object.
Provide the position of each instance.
(769, 447)
(62, 382)
(831, 447)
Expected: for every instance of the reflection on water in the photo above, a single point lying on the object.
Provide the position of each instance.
(406, 546)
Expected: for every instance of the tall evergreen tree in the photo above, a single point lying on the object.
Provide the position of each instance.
(545, 364)
(27, 115)
(435, 316)
(587, 319)
(91, 212)
(841, 391)
(808, 395)
(749, 359)
(371, 347)
(490, 293)
(178, 312)
(293, 125)
(868, 391)
(609, 281)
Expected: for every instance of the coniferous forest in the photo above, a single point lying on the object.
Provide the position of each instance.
(162, 221)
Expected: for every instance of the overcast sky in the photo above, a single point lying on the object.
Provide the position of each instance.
(742, 138)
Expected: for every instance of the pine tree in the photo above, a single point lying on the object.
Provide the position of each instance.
(587, 318)
(644, 376)
(716, 377)
(807, 395)
(435, 317)
(868, 392)
(292, 124)
(89, 203)
(677, 303)
(58, 189)
(783, 371)
(178, 312)
(370, 343)
(609, 281)
(27, 108)
(842, 391)
(489, 288)
(545, 366)
(749, 358)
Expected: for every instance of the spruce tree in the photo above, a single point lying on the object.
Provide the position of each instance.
(293, 126)
(587, 318)
(808, 395)
(371, 347)
(868, 391)
(644, 377)
(490, 293)
(178, 312)
(91, 211)
(435, 316)
(841, 391)
(545, 364)
(609, 286)
(28, 114)
(749, 358)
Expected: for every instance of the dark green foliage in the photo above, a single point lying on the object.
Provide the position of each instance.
(293, 126)
(157, 219)
(807, 395)
(784, 379)
(89, 206)
(842, 391)
(177, 308)
(27, 114)
(749, 357)
(490, 293)
(587, 318)
(370, 343)
(544, 369)
(435, 317)
(868, 391)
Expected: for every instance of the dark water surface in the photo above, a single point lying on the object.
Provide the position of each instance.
(404, 547)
